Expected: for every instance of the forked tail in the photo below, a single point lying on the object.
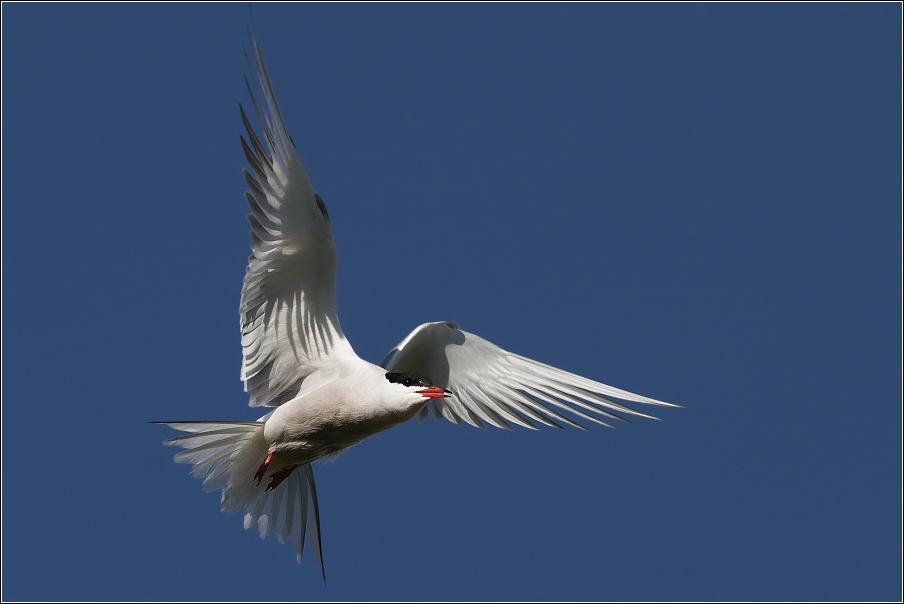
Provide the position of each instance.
(226, 456)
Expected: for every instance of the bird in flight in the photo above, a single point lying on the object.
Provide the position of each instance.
(325, 398)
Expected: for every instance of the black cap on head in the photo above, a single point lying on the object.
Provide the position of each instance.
(408, 379)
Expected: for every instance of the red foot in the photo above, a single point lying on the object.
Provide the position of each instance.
(263, 469)
(279, 476)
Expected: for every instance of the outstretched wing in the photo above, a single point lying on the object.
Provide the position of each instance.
(495, 386)
(290, 329)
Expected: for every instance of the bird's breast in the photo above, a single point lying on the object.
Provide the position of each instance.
(327, 420)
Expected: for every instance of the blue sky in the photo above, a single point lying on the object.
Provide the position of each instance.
(697, 203)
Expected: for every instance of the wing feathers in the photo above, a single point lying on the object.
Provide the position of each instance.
(496, 387)
(290, 327)
(557, 403)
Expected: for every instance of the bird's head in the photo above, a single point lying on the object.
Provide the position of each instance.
(417, 384)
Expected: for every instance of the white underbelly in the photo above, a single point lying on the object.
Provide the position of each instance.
(299, 433)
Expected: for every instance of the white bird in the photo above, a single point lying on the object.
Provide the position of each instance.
(326, 398)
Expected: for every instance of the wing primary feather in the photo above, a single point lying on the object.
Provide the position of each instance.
(555, 402)
(253, 160)
(593, 386)
(582, 400)
(260, 230)
(260, 193)
(262, 218)
(265, 162)
(278, 128)
(448, 413)
(486, 413)
(264, 122)
(599, 402)
(591, 396)
(541, 408)
(551, 393)
(460, 409)
(503, 408)
(517, 408)
(300, 322)
(273, 126)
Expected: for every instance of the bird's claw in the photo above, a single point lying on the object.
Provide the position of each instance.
(279, 476)
(263, 469)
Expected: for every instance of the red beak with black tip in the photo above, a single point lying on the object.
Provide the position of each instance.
(434, 392)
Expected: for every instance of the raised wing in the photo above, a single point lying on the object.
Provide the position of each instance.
(291, 336)
(495, 386)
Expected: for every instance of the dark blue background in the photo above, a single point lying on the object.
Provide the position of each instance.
(700, 203)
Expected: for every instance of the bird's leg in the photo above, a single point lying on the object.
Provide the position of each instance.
(279, 476)
(263, 469)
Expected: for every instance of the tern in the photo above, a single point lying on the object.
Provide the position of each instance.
(325, 398)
